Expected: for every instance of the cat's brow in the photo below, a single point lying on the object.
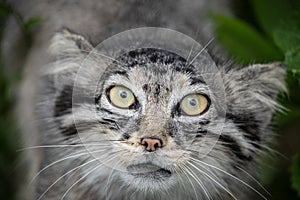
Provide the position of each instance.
(197, 80)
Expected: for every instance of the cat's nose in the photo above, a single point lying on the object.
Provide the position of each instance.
(151, 143)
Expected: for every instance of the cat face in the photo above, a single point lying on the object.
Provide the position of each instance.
(156, 124)
(157, 120)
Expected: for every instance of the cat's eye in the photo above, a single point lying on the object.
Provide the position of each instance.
(194, 104)
(121, 97)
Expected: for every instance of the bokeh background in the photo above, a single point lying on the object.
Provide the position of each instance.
(257, 31)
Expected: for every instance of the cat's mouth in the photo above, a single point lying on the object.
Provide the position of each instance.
(148, 170)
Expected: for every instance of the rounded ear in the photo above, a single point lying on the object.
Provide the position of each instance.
(251, 92)
(251, 98)
(264, 79)
(65, 43)
(259, 83)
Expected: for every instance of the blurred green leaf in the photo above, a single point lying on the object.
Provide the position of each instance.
(32, 22)
(295, 173)
(286, 33)
(292, 59)
(287, 39)
(269, 13)
(244, 42)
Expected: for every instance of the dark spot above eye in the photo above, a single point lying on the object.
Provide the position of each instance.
(121, 72)
(146, 88)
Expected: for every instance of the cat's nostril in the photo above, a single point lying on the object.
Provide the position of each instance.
(151, 143)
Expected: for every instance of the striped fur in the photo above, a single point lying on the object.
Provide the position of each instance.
(206, 156)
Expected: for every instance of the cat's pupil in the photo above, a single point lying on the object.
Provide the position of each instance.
(123, 94)
(193, 102)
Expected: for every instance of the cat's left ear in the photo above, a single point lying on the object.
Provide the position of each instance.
(260, 82)
(267, 79)
(66, 42)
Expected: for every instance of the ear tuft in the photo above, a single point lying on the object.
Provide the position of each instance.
(258, 83)
(267, 79)
(67, 42)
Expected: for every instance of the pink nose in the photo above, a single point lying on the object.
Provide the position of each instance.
(151, 143)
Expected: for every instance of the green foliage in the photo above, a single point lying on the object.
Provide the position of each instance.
(270, 13)
(269, 31)
(6, 10)
(244, 42)
(287, 38)
(8, 138)
(279, 19)
(31, 22)
(9, 172)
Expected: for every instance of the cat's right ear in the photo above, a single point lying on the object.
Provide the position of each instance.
(66, 42)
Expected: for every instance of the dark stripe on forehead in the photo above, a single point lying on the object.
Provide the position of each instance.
(234, 147)
(140, 57)
(248, 125)
(157, 90)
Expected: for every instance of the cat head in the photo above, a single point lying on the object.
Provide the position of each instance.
(155, 122)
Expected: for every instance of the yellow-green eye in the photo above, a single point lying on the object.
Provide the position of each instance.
(121, 97)
(194, 104)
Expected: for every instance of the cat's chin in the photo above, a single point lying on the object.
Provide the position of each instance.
(149, 171)
(148, 176)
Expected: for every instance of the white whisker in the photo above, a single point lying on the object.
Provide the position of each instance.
(234, 177)
(109, 177)
(190, 52)
(198, 181)
(203, 49)
(63, 159)
(63, 145)
(229, 192)
(105, 56)
(255, 180)
(190, 182)
(89, 172)
(248, 174)
(178, 174)
(61, 177)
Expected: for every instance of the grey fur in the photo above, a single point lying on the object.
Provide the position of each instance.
(70, 113)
